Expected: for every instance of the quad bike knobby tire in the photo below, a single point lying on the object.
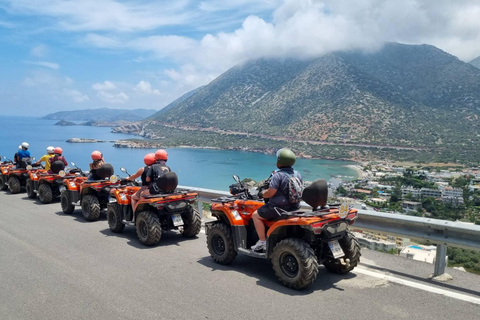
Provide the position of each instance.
(149, 229)
(220, 243)
(114, 217)
(192, 222)
(30, 191)
(90, 207)
(45, 194)
(3, 184)
(66, 202)
(14, 185)
(351, 248)
(295, 263)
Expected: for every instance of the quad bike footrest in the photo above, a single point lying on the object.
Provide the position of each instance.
(252, 253)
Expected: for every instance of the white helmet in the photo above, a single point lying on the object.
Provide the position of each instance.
(25, 145)
(50, 150)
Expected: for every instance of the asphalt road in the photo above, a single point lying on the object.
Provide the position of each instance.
(57, 266)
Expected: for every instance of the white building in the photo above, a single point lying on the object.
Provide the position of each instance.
(408, 206)
(420, 253)
(371, 185)
(434, 193)
(416, 193)
(450, 192)
(374, 243)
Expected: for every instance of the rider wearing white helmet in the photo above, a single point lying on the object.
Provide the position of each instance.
(50, 153)
(23, 155)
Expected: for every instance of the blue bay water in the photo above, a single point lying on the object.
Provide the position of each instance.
(204, 168)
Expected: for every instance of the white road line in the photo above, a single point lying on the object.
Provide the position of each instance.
(412, 284)
(416, 285)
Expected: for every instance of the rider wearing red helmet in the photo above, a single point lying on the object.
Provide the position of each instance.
(98, 161)
(157, 170)
(57, 157)
(149, 160)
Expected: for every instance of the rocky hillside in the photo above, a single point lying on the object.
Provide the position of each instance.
(476, 62)
(101, 115)
(413, 96)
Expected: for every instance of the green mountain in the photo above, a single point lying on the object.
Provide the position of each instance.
(413, 97)
(101, 115)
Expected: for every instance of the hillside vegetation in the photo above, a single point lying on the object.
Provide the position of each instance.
(101, 115)
(403, 96)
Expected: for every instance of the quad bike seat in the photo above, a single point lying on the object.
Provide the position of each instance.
(315, 195)
(105, 171)
(57, 166)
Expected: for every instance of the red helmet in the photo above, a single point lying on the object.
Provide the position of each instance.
(96, 155)
(149, 159)
(161, 154)
(58, 150)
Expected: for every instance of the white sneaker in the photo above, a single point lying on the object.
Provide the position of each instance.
(260, 246)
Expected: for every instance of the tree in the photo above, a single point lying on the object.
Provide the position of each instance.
(396, 194)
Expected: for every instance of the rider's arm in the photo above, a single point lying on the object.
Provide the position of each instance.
(42, 159)
(136, 174)
(270, 192)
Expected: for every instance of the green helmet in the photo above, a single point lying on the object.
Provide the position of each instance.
(285, 158)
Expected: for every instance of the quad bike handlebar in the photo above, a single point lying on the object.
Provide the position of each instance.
(240, 191)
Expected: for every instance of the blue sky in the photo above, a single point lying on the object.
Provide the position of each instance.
(66, 55)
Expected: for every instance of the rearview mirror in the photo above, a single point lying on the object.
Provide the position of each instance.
(236, 178)
(73, 164)
(123, 170)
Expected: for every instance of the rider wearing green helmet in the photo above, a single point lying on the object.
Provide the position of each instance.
(278, 195)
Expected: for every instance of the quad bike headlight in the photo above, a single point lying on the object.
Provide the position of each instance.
(72, 184)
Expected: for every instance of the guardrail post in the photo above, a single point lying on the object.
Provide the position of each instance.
(440, 260)
(200, 208)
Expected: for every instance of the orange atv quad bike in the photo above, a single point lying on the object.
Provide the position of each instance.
(49, 185)
(170, 210)
(17, 177)
(296, 243)
(91, 195)
(5, 168)
(31, 185)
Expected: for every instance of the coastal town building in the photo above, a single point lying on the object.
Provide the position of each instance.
(409, 206)
(373, 242)
(411, 192)
(420, 253)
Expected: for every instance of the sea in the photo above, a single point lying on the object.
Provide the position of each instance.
(196, 167)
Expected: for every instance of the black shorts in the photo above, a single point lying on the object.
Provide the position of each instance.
(271, 212)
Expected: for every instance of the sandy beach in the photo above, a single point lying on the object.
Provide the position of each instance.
(358, 169)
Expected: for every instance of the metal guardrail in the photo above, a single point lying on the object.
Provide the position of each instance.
(439, 232)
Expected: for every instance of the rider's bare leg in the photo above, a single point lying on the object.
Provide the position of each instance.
(259, 226)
